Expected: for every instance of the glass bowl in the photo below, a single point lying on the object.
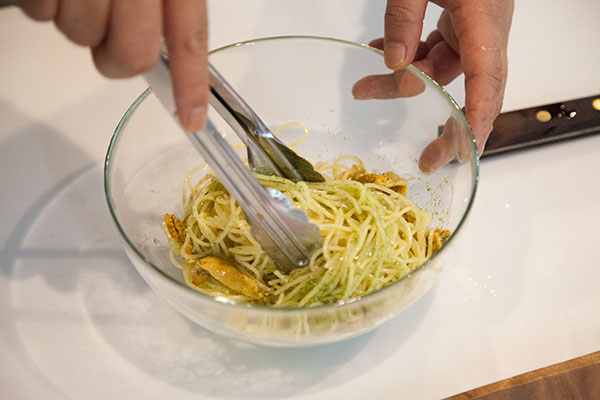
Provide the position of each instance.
(307, 80)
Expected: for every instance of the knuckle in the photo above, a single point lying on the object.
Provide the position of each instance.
(400, 15)
(81, 35)
(497, 79)
(136, 63)
(43, 10)
(122, 62)
(102, 65)
(494, 74)
(193, 44)
(496, 83)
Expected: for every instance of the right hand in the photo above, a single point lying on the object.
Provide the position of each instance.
(472, 37)
(125, 39)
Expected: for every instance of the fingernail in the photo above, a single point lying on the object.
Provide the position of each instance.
(394, 54)
(194, 119)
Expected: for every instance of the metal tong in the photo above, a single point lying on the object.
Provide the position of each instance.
(284, 232)
(267, 155)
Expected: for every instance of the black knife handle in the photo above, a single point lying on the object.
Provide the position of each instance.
(549, 123)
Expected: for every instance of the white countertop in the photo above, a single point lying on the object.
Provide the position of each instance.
(77, 322)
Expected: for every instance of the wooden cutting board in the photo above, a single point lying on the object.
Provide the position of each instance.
(576, 379)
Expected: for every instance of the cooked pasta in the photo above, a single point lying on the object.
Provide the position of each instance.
(372, 236)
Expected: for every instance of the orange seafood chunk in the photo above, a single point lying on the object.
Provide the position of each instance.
(409, 218)
(355, 172)
(387, 179)
(230, 276)
(175, 227)
(439, 238)
(189, 250)
(199, 276)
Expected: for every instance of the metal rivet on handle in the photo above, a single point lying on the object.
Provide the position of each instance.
(543, 116)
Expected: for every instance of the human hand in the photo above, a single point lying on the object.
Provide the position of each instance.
(125, 39)
(471, 37)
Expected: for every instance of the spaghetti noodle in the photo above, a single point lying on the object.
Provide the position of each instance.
(372, 236)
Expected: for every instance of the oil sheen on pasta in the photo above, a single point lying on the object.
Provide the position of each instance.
(372, 236)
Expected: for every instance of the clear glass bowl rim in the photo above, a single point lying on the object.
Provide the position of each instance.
(339, 305)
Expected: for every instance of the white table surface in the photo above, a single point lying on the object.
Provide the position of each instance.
(77, 322)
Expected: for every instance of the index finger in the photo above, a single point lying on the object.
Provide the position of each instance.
(403, 26)
(186, 34)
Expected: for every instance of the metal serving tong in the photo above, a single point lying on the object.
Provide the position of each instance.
(284, 232)
(267, 155)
